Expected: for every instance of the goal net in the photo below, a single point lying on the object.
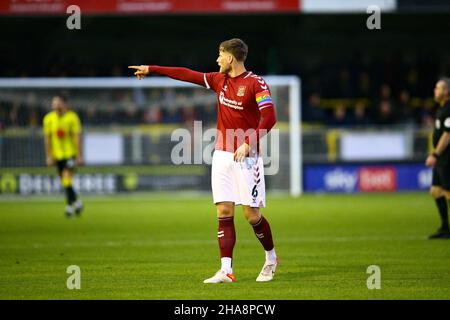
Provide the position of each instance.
(156, 134)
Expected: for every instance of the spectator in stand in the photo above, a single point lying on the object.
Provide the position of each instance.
(171, 114)
(344, 84)
(364, 83)
(153, 114)
(90, 114)
(426, 114)
(405, 107)
(312, 112)
(188, 115)
(360, 118)
(14, 118)
(208, 114)
(339, 116)
(127, 110)
(4, 111)
(385, 92)
(385, 113)
(33, 118)
(130, 114)
(109, 115)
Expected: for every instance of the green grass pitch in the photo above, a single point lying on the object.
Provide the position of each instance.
(163, 246)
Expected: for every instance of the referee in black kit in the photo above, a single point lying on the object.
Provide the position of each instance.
(439, 160)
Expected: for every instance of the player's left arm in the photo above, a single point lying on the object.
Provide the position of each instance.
(47, 141)
(77, 139)
(267, 120)
(78, 146)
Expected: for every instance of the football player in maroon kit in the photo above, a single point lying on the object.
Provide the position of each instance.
(245, 114)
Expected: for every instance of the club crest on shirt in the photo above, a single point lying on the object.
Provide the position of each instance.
(60, 133)
(241, 91)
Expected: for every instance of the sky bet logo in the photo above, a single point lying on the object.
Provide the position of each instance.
(424, 178)
(339, 179)
(377, 179)
(366, 179)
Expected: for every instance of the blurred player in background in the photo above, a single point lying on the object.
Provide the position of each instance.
(439, 160)
(237, 175)
(62, 130)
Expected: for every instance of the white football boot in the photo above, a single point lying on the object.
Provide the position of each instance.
(221, 276)
(70, 211)
(267, 271)
(78, 207)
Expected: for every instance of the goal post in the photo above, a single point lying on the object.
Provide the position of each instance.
(102, 92)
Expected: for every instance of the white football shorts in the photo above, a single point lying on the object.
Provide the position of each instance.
(238, 182)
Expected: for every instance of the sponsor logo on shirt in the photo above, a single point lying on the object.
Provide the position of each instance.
(229, 102)
(60, 133)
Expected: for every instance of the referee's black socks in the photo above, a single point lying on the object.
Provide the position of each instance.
(442, 205)
(70, 195)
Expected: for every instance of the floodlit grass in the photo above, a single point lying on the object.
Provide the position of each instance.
(163, 246)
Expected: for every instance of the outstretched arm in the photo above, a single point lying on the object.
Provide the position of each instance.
(178, 73)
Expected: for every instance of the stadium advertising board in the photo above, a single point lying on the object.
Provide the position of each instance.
(377, 179)
(103, 148)
(99, 183)
(366, 178)
(36, 7)
(40, 184)
(338, 6)
(370, 146)
(58, 7)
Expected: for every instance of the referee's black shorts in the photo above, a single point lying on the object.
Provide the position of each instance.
(441, 177)
(65, 164)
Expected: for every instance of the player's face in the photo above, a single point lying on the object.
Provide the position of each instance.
(440, 91)
(224, 61)
(57, 104)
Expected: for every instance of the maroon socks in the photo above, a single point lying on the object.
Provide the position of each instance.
(226, 236)
(263, 233)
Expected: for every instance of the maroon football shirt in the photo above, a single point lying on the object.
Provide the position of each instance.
(239, 101)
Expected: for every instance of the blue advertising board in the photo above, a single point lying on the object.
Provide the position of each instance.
(366, 178)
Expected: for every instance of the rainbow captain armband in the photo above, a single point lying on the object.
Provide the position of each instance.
(263, 98)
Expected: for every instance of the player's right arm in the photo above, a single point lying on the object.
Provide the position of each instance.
(47, 142)
(178, 73)
(443, 142)
(48, 150)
